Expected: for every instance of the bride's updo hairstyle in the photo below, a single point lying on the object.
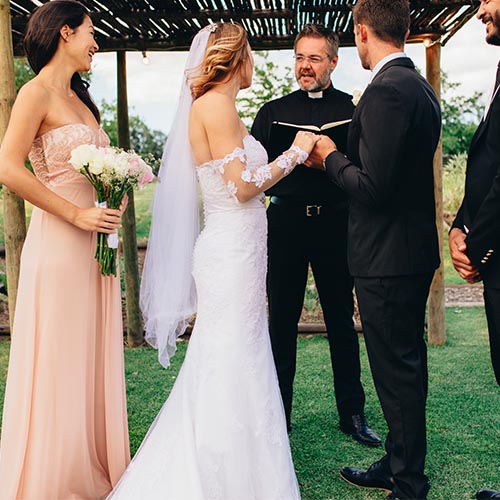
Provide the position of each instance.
(42, 39)
(227, 50)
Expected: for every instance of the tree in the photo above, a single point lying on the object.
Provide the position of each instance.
(144, 140)
(22, 72)
(461, 115)
(267, 85)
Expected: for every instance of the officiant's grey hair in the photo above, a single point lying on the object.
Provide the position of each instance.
(319, 31)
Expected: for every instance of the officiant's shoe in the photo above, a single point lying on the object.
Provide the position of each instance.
(357, 427)
(375, 477)
(487, 494)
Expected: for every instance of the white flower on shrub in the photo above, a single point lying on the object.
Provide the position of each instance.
(356, 96)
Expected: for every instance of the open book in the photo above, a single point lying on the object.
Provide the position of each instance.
(283, 134)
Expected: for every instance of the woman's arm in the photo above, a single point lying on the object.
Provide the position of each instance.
(29, 112)
(225, 138)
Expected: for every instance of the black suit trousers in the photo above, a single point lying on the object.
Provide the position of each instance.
(294, 242)
(392, 312)
(492, 308)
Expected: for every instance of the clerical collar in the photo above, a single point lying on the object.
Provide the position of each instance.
(320, 93)
(315, 95)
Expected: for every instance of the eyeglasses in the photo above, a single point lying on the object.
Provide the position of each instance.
(313, 59)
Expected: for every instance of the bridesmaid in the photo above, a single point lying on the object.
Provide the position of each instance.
(64, 431)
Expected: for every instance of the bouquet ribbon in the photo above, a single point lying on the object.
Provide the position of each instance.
(112, 238)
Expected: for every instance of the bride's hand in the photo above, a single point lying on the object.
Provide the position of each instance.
(306, 140)
(102, 220)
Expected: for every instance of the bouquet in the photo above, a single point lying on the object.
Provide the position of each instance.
(112, 172)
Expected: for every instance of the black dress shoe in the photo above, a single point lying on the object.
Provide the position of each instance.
(357, 427)
(487, 494)
(375, 477)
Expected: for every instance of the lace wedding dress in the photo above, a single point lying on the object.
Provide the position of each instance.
(221, 435)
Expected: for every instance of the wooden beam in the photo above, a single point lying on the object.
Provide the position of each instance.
(13, 205)
(436, 322)
(134, 323)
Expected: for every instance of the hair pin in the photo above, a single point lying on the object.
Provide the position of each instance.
(211, 27)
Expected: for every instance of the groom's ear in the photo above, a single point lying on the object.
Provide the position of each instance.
(363, 32)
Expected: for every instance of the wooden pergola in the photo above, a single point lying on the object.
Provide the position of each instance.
(154, 25)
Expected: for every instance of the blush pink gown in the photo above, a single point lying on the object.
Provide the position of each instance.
(64, 430)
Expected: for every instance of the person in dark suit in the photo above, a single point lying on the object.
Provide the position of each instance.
(302, 211)
(393, 243)
(475, 234)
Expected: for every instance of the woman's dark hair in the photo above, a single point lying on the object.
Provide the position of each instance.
(42, 38)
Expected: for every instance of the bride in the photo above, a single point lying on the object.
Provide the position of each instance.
(222, 433)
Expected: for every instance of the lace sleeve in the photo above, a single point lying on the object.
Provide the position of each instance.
(239, 175)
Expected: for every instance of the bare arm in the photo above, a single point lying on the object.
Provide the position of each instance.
(224, 133)
(29, 112)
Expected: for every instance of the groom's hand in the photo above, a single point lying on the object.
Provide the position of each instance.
(461, 262)
(321, 150)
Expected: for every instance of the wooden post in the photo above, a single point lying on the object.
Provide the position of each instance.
(13, 205)
(134, 323)
(436, 322)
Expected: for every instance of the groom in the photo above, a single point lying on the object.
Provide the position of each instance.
(393, 246)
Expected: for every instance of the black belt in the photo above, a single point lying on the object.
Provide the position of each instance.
(308, 209)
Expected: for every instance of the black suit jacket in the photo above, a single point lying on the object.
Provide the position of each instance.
(480, 209)
(388, 174)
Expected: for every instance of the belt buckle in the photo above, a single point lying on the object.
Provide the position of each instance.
(313, 210)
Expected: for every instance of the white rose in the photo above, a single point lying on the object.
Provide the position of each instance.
(83, 155)
(96, 165)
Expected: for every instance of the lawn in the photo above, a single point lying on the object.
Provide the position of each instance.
(463, 413)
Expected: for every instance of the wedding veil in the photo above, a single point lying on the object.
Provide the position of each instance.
(168, 294)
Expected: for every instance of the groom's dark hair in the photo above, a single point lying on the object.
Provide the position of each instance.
(389, 19)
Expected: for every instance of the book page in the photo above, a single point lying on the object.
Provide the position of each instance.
(314, 127)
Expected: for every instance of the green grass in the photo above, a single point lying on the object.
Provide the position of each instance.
(463, 413)
(142, 200)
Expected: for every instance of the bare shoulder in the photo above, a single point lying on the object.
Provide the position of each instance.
(214, 108)
(34, 97)
(34, 90)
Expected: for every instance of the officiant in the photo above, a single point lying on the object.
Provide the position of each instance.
(307, 225)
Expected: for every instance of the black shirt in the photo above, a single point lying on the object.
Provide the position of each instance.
(304, 184)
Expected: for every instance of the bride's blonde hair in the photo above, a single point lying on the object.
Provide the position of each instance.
(227, 50)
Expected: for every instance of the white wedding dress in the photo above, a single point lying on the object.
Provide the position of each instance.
(221, 434)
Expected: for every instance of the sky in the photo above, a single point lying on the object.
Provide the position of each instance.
(153, 89)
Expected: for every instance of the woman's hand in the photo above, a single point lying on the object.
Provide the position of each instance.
(306, 140)
(102, 220)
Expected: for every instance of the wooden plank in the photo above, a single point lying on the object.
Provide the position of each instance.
(13, 205)
(436, 324)
(129, 237)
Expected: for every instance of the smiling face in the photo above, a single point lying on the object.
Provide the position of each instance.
(313, 65)
(489, 14)
(81, 44)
